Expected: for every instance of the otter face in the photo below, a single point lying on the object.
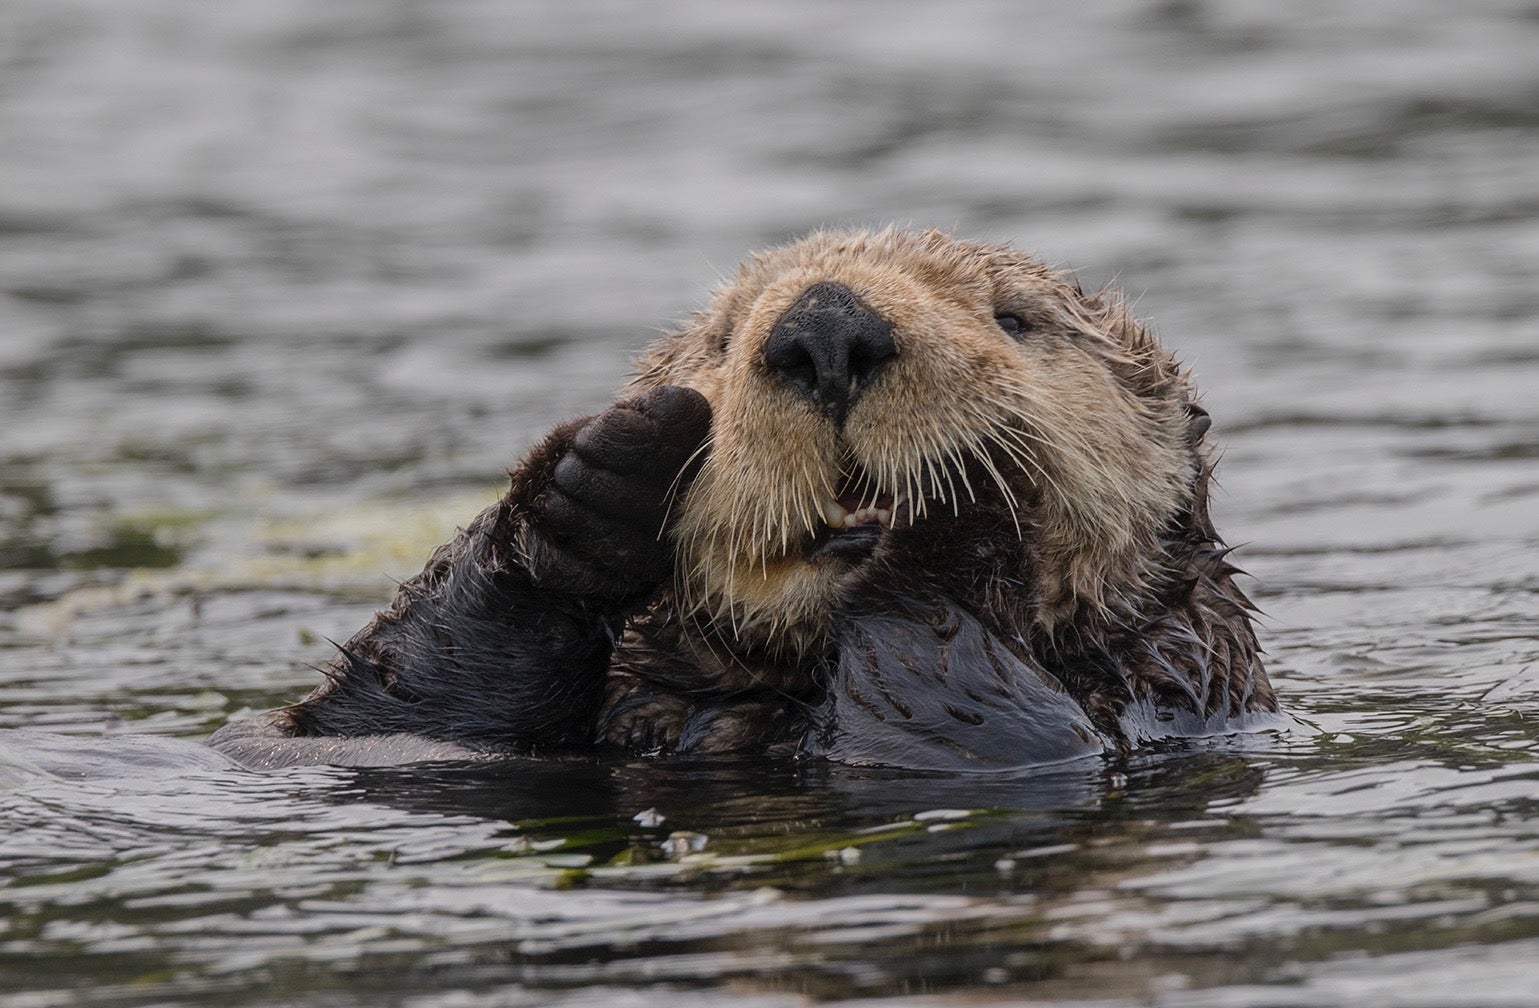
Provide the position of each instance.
(866, 386)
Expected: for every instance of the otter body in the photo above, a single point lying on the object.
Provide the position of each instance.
(892, 499)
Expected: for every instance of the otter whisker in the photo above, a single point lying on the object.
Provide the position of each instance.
(1023, 455)
(916, 496)
(901, 492)
(1066, 440)
(961, 470)
(935, 483)
(673, 487)
(1004, 487)
(1020, 455)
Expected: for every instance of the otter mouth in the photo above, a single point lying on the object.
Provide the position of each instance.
(854, 520)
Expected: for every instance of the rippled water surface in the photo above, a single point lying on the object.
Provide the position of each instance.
(284, 286)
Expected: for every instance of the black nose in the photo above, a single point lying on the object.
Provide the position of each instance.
(829, 347)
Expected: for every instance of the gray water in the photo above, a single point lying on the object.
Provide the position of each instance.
(284, 286)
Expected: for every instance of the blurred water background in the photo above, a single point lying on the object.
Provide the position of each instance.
(284, 286)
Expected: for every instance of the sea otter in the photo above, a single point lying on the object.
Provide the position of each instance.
(892, 498)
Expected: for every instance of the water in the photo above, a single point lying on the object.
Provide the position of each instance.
(284, 286)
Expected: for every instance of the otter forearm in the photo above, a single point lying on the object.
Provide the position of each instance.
(504, 639)
(496, 641)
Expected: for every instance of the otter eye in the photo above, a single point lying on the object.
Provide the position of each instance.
(1011, 324)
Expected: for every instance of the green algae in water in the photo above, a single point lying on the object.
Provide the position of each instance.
(127, 546)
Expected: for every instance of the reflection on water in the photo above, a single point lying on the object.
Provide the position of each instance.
(284, 287)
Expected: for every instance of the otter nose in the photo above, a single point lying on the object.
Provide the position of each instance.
(829, 347)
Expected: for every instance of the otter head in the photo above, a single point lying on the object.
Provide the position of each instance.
(873, 393)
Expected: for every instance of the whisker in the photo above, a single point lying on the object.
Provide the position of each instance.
(954, 454)
(673, 496)
(1004, 488)
(1023, 456)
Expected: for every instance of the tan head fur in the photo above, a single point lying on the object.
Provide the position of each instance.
(1080, 423)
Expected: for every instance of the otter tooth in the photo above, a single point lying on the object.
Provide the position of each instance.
(865, 516)
(834, 514)
(884, 516)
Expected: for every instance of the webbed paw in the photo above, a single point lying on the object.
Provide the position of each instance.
(602, 520)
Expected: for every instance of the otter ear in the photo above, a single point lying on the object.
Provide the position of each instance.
(1196, 520)
(1200, 422)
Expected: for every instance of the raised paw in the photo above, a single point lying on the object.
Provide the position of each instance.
(605, 511)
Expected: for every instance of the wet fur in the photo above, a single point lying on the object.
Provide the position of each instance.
(1057, 509)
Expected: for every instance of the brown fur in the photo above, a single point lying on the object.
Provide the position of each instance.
(1076, 441)
(1049, 542)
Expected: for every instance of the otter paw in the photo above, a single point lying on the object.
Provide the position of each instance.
(606, 510)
